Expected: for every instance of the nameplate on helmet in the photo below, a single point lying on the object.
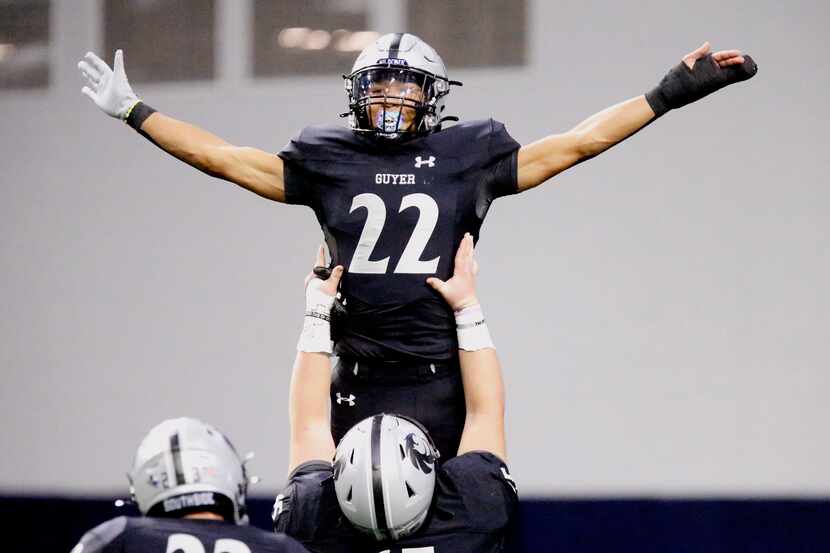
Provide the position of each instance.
(199, 499)
(392, 61)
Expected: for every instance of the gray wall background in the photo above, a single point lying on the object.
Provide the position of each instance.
(661, 311)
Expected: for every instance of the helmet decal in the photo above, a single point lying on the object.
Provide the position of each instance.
(422, 460)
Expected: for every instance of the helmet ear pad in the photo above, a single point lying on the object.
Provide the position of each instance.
(384, 476)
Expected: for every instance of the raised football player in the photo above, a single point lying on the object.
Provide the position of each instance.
(191, 484)
(385, 490)
(394, 193)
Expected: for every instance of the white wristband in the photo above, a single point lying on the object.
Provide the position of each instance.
(471, 327)
(316, 334)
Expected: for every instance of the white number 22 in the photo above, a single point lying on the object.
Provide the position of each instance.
(375, 219)
(185, 543)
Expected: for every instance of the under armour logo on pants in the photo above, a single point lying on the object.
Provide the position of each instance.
(349, 400)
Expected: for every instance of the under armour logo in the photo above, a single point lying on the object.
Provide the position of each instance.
(349, 400)
(428, 162)
(278, 507)
(509, 479)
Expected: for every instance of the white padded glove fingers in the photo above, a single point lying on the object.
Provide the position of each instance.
(108, 88)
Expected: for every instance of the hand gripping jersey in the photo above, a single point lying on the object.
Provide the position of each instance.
(394, 214)
(475, 497)
(163, 535)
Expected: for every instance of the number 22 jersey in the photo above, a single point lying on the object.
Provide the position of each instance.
(394, 214)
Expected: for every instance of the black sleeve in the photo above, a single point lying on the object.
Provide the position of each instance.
(486, 489)
(307, 509)
(503, 150)
(104, 538)
(500, 172)
(298, 179)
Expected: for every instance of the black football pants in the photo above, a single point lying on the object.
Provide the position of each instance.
(431, 393)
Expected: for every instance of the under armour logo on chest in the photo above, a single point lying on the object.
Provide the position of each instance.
(349, 400)
(429, 162)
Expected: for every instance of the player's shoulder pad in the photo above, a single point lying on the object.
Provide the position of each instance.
(321, 142)
(305, 500)
(476, 129)
(486, 487)
(480, 462)
(101, 536)
(485, 139)
(315, 469)
(306, 479)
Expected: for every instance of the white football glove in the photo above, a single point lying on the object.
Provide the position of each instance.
(109, 89)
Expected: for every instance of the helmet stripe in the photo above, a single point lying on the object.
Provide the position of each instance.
(396, 44)
(176, 452)
(377, 482)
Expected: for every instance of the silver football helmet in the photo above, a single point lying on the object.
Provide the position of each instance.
(384, 475)
(397, 88)
(184, 465)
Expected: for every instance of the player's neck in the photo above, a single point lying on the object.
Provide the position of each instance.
(205, 515)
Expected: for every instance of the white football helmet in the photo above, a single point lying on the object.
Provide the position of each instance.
(397, 87)
(184, 465)
(384, 475)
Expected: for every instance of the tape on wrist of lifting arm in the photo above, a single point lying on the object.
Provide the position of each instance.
(471, 328)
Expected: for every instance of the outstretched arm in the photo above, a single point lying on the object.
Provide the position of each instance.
(308, 400)
(480, 367)
(698, 75)
(255, 170)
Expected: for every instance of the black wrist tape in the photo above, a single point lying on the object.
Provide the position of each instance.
(682, 86)
(318, 315)
(322, 272)
(138, 115)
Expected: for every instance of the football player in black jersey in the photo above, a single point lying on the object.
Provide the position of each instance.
(385, 490)
(394, 193)
(191, 484)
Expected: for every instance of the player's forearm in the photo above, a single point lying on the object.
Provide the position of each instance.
(612, 125)
(313, 443)
(308, 399)
(543, 159)
(484, 399)
(187, 142)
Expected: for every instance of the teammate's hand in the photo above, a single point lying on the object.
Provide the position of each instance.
(460, 290)
(108, 88)
(327, 286)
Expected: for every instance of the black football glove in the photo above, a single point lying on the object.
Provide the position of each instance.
(682, 85)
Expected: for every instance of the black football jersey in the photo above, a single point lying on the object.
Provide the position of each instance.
(164, 535)
(394, 214)
(475, 498)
